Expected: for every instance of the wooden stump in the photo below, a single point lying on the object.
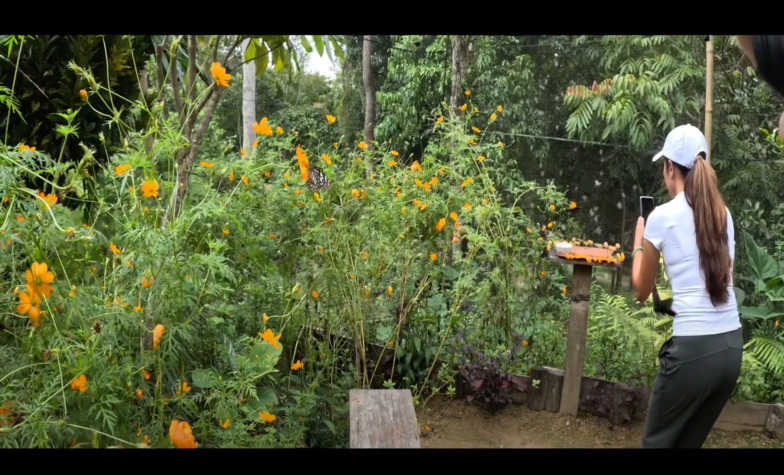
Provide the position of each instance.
(382, 418)
(549, 392)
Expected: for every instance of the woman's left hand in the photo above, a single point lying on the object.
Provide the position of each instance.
(639, 232)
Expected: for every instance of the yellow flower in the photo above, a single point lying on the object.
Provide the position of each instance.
(121, 169)
(280, 132)
(225, 424)
(394, 153)
(389, 290)
(453, 215)
(392, 163)
(139, 394)
(206, 164)
(157, 334)
(83, 94)
(493, 117)
(219, 73)
(184, 388)
(242, 153)
(79, 384)
(463, 107)
(314, 294)
(572, 205)
(181, 434)
(264, 318)
(297, 366)
(231, 177)
(481, 158)
(552, 207)
(23, 147)
(325, 157)
(476, 130)
(500, 109)
(150, 188)
(472, 142)
(433, 257)
(467, 182)
(441, 224)
(271, 338)
(115, 249)
(266, 417)
(362, 145)
(331, 119)
(317, 197)
(416, 167)
(564, 290)
(467, 93)
(245, 180)
(467, 206)
(262, 128)
(440, 119)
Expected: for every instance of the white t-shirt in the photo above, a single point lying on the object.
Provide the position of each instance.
(670, 228)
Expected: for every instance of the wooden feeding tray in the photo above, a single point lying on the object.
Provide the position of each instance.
(584, 255)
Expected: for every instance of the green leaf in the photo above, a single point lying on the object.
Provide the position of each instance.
(330, 426)
(740, 296)
(216, 320)
(761, 312)
(306, 44)
(762, 264)
(336, 47)
(250, 51)
(267, 397)
(319, 44)
(278, 61)
(205, 378)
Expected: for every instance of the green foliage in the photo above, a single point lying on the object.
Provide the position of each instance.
(38, 73)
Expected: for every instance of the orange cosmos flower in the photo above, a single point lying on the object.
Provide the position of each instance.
(181, 435)
(157, 333)
(219, 73)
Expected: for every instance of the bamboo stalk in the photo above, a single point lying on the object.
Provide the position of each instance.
(709, 92)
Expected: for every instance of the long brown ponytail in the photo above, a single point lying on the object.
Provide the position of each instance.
(710, 224)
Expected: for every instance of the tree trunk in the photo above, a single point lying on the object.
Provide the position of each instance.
(458, 61)
(370, 90)
(187, 156)
(248, 101)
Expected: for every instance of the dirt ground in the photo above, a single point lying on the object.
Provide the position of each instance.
(454, 423)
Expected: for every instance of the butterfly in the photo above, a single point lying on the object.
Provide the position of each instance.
(317, 180)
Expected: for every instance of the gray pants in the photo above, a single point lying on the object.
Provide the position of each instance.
(697, 375)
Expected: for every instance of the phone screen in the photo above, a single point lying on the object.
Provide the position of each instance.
(646, 206)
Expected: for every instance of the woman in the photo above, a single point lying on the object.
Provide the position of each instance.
(700, 364)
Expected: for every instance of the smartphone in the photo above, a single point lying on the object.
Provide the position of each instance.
(646, 206)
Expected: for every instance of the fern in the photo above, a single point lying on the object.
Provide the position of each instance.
(768, 351)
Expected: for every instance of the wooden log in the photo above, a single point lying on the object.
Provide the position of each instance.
(382, 418)
(578, 332)
(743, 416)
(548, 393)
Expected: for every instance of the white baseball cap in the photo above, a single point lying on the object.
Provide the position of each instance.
(683, 144)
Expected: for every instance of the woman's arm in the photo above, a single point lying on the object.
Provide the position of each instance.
(645, 263)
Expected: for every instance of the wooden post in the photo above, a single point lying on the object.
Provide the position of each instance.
(709, 92)
(578, 332)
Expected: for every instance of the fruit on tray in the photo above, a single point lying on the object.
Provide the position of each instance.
(589, 251)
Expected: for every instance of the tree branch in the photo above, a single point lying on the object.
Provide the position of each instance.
(174, 78)
(192, 68)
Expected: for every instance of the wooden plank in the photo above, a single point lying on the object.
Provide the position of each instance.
(575, 346)
(548, 395)
(382, 418)
(743, 416)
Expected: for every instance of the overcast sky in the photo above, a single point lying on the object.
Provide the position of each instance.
(321, 65)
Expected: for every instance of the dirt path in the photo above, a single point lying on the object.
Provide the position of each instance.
(454, 423)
